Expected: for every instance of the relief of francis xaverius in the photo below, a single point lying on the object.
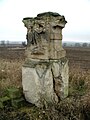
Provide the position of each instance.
(36, 33)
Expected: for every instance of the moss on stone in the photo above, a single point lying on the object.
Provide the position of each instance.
(33, 64)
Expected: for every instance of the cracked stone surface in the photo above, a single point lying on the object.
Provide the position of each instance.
(46, 80)
(45, 71)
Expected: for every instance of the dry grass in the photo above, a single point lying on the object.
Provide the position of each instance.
(79, 78)
(10, 73)
(75, 107)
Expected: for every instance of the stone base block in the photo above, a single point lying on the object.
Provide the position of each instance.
(45, 80)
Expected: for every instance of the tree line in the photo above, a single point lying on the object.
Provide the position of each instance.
(85, 45)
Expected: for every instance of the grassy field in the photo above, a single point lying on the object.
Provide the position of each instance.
(75, 107)
(79, 57)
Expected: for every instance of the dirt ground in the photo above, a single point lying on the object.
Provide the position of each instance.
(75, 107)
(77, 56)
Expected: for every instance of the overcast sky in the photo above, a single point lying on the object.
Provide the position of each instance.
(76, 12)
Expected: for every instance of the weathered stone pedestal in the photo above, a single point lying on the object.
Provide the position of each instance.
(45, 80)
(45, 71)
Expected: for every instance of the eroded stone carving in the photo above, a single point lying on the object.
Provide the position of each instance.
(44, 36)
(45, 72)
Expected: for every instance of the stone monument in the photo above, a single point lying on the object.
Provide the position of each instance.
(45, 71)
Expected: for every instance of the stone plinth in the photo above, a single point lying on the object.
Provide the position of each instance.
(45, 71)
(45, 80)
